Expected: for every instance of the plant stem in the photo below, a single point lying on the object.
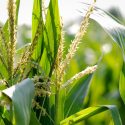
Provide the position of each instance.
(59, 106)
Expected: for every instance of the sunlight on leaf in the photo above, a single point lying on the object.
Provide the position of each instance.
(116, 31)
(110, 24)
(91, 111)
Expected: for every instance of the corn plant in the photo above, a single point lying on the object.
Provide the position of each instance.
(33, 87)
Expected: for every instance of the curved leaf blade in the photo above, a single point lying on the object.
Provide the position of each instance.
(122, 83)
(91, 111)
(21, 95)
(75, 98)
(117, 32)
(110, 24)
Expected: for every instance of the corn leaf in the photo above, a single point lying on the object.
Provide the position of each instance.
(36, 16)
(5, 35)
(51, 36)
(17, 11)
(6, 122)
(111, 25)
(49, 49)
(52, 28)
(33, 119)
(91, 111)
(36, 21)
(3, 119)
(75, 97)
(21, 96)
(117, 32)
(122, 83)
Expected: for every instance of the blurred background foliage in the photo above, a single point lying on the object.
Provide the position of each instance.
(96, 47)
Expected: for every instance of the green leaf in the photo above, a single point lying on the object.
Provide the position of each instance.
(21, 96)
(4, 37)
(7, 116)
(117, 32)
(36, 16)
(3, 71)
(44, 62)
(6, 122)
(91, 111)
(17, 11)
(53, 27)
(75, 97)
(52, 34)
(33, 119)
(110, 24)
(122, 83)
(1, 121)
(36, 21)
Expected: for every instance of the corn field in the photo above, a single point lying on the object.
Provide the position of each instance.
(40, 82)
